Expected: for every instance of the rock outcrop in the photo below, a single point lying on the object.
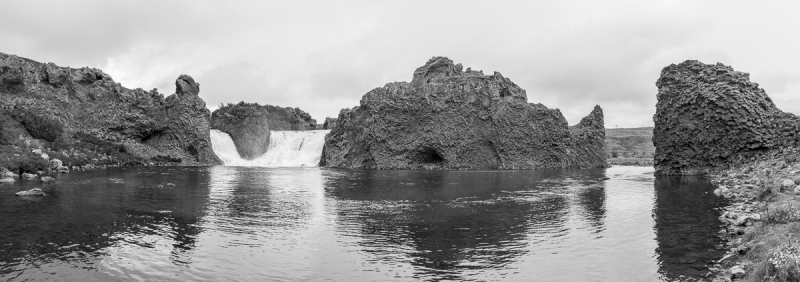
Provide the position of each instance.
(709, 116)
(330, 123)
(450, 118)
(88, 101)
(249, 124)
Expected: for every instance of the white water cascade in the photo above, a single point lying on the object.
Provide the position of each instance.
(286, 149)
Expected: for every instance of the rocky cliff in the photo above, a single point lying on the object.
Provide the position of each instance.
(87, 103)
(709, 116)
(450, 118)
(249, 124)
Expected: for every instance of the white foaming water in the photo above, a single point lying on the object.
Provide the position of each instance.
(223, 147)
(286, 148)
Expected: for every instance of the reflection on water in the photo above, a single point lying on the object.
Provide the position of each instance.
(288, 224)
(687, 238)
(455, 224)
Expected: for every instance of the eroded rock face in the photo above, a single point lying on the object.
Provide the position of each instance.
(447, 118)
(708, 116)
(249, 124)
(330, 123)
(89, 101)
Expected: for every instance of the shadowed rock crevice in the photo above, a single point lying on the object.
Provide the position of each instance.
(448, 118)
(429, 155)
(708, 116)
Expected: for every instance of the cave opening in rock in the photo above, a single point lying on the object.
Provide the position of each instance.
(430, 155)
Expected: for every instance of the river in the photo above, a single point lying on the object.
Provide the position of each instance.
(314, 224)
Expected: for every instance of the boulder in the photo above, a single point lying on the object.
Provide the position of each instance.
(707, 116)
(32, 192)
(6, 180)
(47, 179)
(56, 164)
(737, 272)
(29, 175)
(787, 184)
(448, 118)
(721, 190)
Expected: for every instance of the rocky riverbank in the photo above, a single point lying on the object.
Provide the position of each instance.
(711, 119)
(763, 219)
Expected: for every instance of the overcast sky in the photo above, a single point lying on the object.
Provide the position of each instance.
(322, 56)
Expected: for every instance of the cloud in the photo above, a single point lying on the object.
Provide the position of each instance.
(322, 56)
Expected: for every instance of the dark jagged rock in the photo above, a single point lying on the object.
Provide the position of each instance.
(88, 101)
(330, 123)
(249, 124)
(708, 116)
(447, 118)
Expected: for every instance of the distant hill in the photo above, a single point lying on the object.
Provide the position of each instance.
(630, 142)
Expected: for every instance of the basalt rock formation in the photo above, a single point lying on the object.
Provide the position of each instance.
(249, 124)
(450, 118)
(709, 116)
(330, 123)
(88, 102)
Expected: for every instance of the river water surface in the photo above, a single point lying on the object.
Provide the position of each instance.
(312, 224)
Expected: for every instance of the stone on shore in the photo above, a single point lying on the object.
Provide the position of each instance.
(56, 164)
(723, 191)
(32, 192)
(737, 272)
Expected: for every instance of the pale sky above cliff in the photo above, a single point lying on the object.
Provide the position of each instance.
(322, 56)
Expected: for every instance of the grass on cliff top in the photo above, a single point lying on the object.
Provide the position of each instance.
(627, 132)
(278, 118)
(630, 142)
(644, 161)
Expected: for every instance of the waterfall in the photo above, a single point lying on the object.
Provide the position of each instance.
(286, 148)
(223, 147)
